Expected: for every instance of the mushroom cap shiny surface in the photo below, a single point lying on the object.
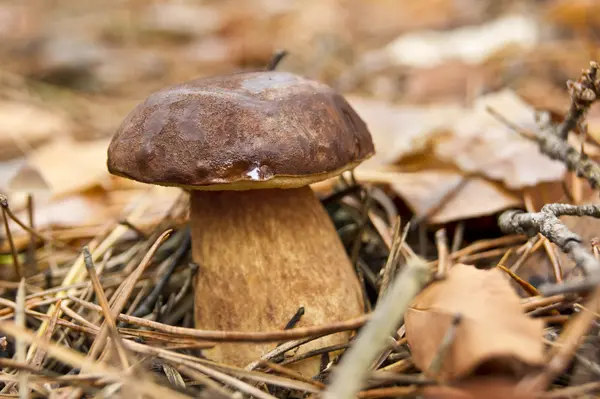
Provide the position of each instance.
(240, 131)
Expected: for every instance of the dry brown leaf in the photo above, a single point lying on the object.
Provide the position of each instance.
(68, 166)
(425, 190)
(25, 126)
(400, 131)
(575, 14)
(478, 388)
(471, 44)
(494, 332)
(454, 80)
(479, 143)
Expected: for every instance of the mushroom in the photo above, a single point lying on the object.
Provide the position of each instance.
(247, 146)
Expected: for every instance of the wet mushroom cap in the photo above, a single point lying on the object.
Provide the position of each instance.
(241, 131)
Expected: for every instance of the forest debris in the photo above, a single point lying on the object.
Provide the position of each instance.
(415, 15)
(494, 333)
(181, 19)
(400, 131)
(477, 388)
(384, 321)
(84, 169)
(444, 195)
(479, 143)
(469, 44)
(573, 14)
(25, 126)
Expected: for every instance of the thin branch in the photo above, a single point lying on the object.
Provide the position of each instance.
(550, 226)
(583, 94)
(276, 58)
(354, 370)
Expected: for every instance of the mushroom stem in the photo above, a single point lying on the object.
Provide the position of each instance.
(262, 255)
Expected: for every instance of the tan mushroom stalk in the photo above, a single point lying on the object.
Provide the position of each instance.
(247, 146)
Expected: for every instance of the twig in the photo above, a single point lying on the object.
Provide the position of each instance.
(549, 225)
(11, 243)
(31, 247)
(457, 238)
(530, 289)
(125, 291)
(295, 318)
(7, 211)
(443, 259)
(314, 352)
(278, 55)
(392, 260)
(353, 370)
(567, 344)
(75, 273)
(75, 359)
(182, 250)
(21, 346)
(442, 351)
(556, 148)
(108, 318)
(312, 332)
(291, 373)
(583, 94)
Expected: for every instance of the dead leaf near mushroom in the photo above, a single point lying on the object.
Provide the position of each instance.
(26, 126)
(479, 143)
(494, 336)
(461, 196)
(451, 163)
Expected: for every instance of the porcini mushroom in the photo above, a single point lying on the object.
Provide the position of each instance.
(247, 146)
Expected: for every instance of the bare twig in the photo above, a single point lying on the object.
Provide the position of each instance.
(583, 94)
(312, 332)
(278, 55)
(21, 345)
(566, 346)
(11, 243)
(549, 225)
(443, 259)
(354, 368)
(442, 351)
(109, 320)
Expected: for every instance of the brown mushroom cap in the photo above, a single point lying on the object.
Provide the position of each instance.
(241, 131)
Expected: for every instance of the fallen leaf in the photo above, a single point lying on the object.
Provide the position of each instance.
(479, 143)
(470, 44)
(414, 15)
(478, 388)
(25, 126)
(450, 81)
(399, 131)
(494, 333)
(574, 14)
(28, 180)
(68, 166)
(425, 190)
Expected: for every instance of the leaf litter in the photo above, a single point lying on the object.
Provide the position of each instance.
(494, 334)
(442, 162)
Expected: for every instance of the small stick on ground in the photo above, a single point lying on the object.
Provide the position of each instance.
(109, 320)
(566, 346)
(21, 346)
(11, 243)
(278, 55)
(442, 352)
(547, 223)
(443, 260)
(583, 94)
(353, 370)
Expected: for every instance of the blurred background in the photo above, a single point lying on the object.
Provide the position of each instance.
(418, 72)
